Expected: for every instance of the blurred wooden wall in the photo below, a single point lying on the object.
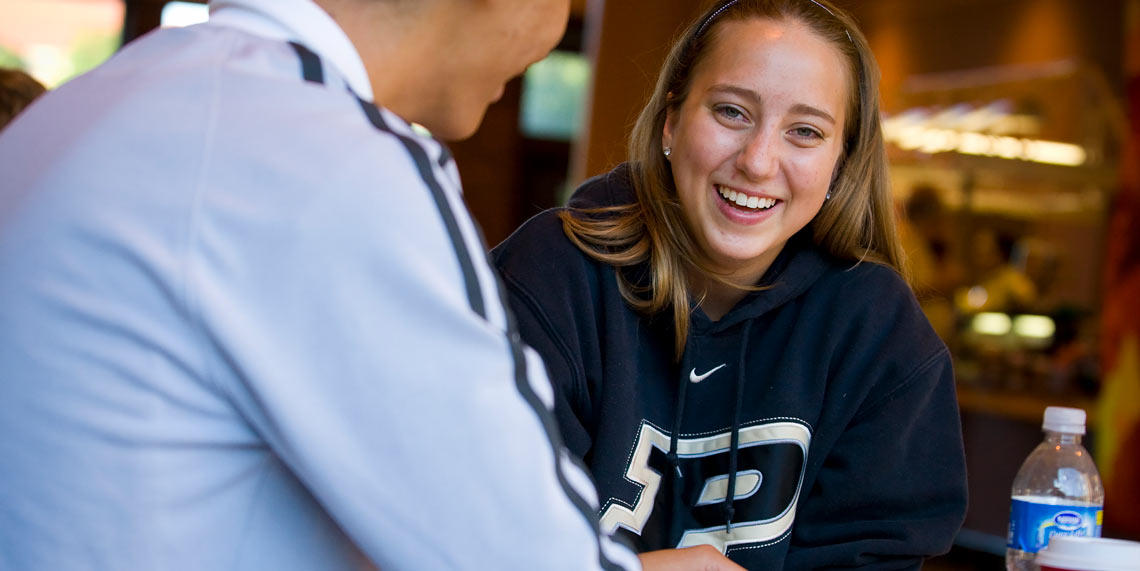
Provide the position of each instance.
(628, 39)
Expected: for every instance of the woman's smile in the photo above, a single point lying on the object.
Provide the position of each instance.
(744, 201)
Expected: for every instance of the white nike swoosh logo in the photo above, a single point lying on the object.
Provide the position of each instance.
(694, 377)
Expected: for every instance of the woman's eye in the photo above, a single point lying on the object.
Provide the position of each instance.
(730, 112)
(806, 133)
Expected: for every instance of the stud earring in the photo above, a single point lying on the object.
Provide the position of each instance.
(668, 151)
(828, 197)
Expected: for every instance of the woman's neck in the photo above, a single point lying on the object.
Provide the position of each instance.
(719, 298)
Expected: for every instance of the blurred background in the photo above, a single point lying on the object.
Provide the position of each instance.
(1012, 129)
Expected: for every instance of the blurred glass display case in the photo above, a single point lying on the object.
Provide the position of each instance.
(1023, 162)
(1004, 177)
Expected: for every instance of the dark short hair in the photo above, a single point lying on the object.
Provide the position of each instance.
(17, 91)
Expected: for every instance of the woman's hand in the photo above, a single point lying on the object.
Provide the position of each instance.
(699, 558)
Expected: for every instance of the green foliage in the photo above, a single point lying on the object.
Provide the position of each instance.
(10, 59)
(91, 50)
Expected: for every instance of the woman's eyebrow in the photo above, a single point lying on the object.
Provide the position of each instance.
(800, 108)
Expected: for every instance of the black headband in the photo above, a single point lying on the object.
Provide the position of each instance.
(730, 3)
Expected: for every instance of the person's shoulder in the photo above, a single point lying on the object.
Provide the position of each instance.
(880, 298)
(538, 242)
(869, 292)
(311, 126)
(873, 277)
(291, 97)
(611, 188)
(544, 236)
(861, 276)
(869, 312)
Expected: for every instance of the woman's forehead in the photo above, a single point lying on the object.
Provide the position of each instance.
(775, 57)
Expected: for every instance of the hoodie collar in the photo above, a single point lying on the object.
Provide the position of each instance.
(300, 21)
(799, 265)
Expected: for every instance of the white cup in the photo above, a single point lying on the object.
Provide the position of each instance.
(1072, 553)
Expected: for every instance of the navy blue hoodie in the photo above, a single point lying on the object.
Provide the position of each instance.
(826, 401)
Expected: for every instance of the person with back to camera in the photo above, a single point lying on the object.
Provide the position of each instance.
(247, 323)
(726, 312)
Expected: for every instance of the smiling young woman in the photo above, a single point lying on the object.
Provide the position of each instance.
(754, 147)
(856, 223)
(737, 357)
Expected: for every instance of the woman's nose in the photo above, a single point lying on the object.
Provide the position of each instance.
(759, 155)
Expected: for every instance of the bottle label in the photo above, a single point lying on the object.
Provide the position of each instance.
(1031, 524)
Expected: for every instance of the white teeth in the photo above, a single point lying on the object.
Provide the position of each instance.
(741, 199)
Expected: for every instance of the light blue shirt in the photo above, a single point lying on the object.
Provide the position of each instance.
(235, 331)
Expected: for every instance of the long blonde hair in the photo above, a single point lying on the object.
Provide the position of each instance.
(857, 223)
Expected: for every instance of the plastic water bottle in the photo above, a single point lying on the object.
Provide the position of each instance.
(1057, 490)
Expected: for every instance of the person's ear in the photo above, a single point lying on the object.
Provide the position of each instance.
(667, 128)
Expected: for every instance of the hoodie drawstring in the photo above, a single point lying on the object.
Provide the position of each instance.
(734, 446)
(672, 455)
(678, 497)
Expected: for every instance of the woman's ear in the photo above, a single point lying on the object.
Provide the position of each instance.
(667, 128)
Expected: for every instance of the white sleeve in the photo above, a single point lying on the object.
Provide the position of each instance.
(350, 343)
